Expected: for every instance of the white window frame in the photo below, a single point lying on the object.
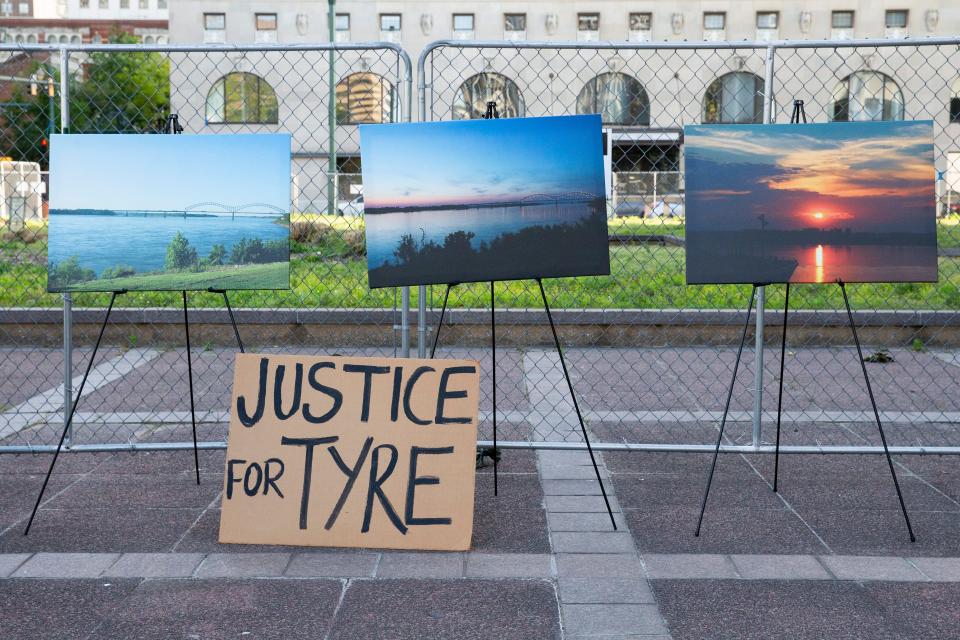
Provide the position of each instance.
(641, 34)
(844, 32)
(896, 31)
(214, 34)
(584, 32)
(713, 33)
(458, 31)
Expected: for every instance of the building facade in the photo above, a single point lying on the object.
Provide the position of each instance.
(81, 21)
(645, 97)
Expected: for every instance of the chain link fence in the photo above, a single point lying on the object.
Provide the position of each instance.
(137, 393)
(650, 357)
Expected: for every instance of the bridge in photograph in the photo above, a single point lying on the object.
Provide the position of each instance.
(210, 208)
(569, 196)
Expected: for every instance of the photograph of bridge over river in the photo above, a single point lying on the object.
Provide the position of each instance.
(849, 201)
(479, 200)
(169, 212)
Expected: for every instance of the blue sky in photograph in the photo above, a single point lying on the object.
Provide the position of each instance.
(168, 172)
(480, 161)
(876, 176)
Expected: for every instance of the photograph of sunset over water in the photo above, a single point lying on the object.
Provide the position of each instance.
(480, 200)
(810, 203)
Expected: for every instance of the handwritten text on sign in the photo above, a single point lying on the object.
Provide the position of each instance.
(351, 452)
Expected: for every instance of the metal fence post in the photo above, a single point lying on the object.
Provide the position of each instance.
(762, 291)
(422, 322)
(404, 322)
(67, 298)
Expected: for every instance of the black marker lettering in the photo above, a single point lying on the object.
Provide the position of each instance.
(408, 392)
(271, 480)
(375, 488)
(278, 392)
(414, 481)
(368, 372)
(255, 489)
(309, 443)
(395, 398)
(231, 478)
(334, 394)
(351, 478)
(245, 419)
(443, 395)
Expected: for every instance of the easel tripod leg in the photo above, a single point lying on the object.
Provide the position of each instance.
(193, 416)
(726, 410)
(233, 321)
(443, 311)
(783, 353)
(576, 405)
(876, 413)
(73, 409)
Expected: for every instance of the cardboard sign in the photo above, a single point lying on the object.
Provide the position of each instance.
(351, 452)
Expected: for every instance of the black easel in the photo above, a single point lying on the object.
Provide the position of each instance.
(799, 114)
(495, 453)
(172, 126)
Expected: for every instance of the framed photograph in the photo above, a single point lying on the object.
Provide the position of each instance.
(480, 200)
(847, 201)
(169, 212)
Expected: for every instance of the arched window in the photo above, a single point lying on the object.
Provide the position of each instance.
(867, 95)
(19, 38)
(364, 97)
(147, 39)
(31, 39)
(63, 39)
(161, 40)
(476, 91)
(955, 102)
(242, 98)
(734, 98)
(74, 39)
(617, 97)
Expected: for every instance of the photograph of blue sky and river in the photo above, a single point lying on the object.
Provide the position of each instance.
(811, 203)
(169, 212)
(479, 200)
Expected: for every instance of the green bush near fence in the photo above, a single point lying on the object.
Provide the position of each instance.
(328, 269)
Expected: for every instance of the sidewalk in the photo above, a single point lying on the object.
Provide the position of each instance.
(125, 546)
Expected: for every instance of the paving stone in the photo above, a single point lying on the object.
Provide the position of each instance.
(579, 504)
(592, 521)
(571, 472)
(65, 565)
(605, 591)
(871, 568)
(420, 565)
(939, 569)
(777, 609)
(10, 561)
(243, 565)
(571, 487)
(554, 458)
(779, 567)
(592, 542)
(193, 609)
(333, 564)
(697, 566)
(449, 609)
(597, 565)
(59, 609)
(155, 565)
(605, 619)
(509, 565)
